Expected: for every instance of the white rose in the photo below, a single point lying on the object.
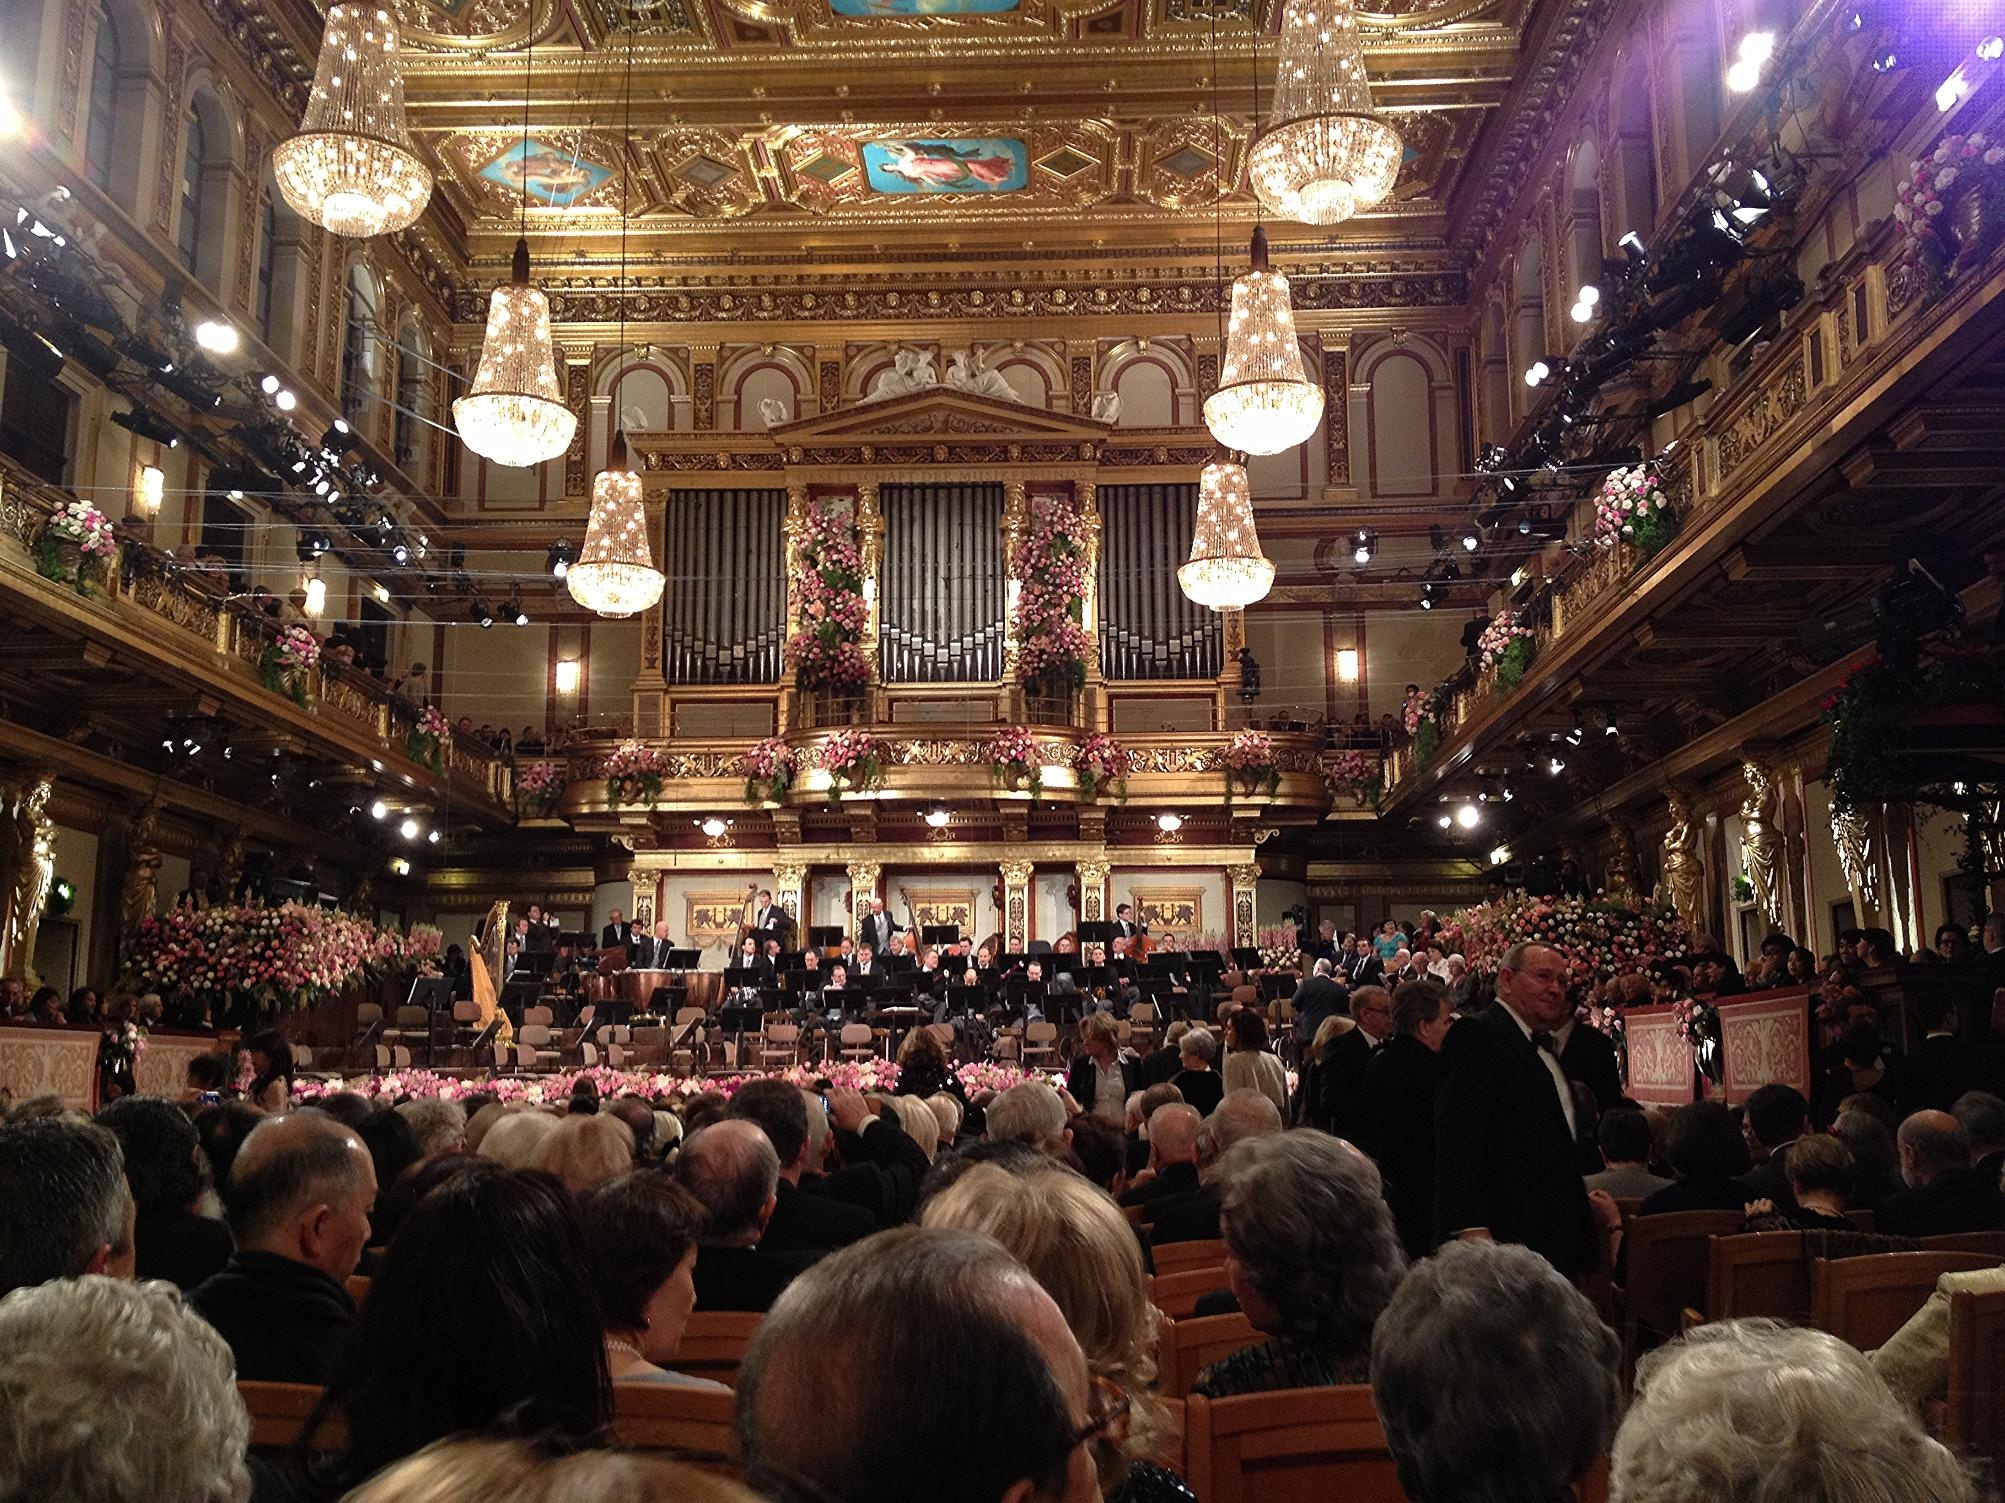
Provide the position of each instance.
(1994, 156)
(1935, 208)
(1947, 177)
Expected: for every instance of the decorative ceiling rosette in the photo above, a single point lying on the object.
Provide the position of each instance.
(1177, 162)
(706, 174)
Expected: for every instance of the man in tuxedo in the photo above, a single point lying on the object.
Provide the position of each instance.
(542, 933)
(866, 969)
(750, 958)
(1362, 967)
(1930, 1076)
(878, 929)
(1125, 928)
(1395, 1112)
(650, 952)
(1507, 1166)
(1589, 1058)
(1945, 1193)
(1318, 997)
(733, 1169)
(1776, 1116)
(618, 933)
(1340, 1076)
(1982, 1116)
(800, 1222)
(769, 918)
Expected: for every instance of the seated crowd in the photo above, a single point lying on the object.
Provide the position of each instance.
(956, 1290)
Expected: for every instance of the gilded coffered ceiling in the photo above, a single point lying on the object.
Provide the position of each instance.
(818, 129)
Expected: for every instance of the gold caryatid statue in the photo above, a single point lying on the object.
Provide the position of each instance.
(139, 895)
(1761, 838)
(1684, 872)
(1622, 883)
(27, 866)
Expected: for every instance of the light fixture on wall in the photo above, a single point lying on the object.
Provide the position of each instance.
(216, 336)
(568, 670)
(615, 573)
(1169, 824)
(1325, 154)
(714, 827)
(152, 488)
(352, 168)
(1265, 401)
(1347, 665)
(937, 819)
(316, 593)
(1226, 569)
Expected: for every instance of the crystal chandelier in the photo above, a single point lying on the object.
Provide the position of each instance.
(1227, 571)
(514, 413)
(1265, 402)
(615, 573)
(1326, 154)
(351, 168)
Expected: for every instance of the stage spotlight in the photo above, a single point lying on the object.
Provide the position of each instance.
(1756, 48)
(379, 810)
(1446, 821)
(401, 552)
(269, 384)
(217, 337)
(1500, 855)
(312, 543)
(1468, 816)
(1471, 539)
(1578, 734)
(432, 837)
(1991, 49)
(512, 611)
(409, 828)
(1364, 543)
(1555, 764)
(339, 438)
(1427, 590)
(1537, 372)
(559, 560)
(1632, 246)
(316, 595)
(284, 400)
(483, 613)
(142, 424)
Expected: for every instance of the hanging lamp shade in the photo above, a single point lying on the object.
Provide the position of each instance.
(351, 167)
(1265, 402)
(615, 573)
(1325, 154)
(1227, 570)
(514, 414)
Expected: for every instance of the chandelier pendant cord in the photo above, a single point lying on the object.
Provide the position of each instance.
(626, 209)
(528, 86)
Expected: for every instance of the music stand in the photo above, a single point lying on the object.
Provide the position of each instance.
(683, 960)
(939, 934)
(534, 963)
(1247, 960)
(1095, 933)
(431, 993)
(824, 936)
(1204, 960)
(1276, 986)
(1021, 994)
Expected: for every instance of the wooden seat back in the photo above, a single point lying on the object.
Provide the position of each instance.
(1300, 1445)
(1177, 1294)
(1974, 1422)
(1757, 1273)
(1175, 1257)
(1203, 1340)
(692, 1425)
(714, 1342)
(278, 1414)
(1992, 1244)
(1666, 1257)
(358, 1287)
(1865, 1300)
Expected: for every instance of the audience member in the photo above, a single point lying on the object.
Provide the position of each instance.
(732, 1170)
(583, 1151)
(112, 1391)
(1102, 1073)
(1774, 1117)
(1624, 1138)
(881, 1167)
(1194, 1218)
(1311, 1256)
(1028, 1112)
(393, 1147)
(68, 1208)
(1196, 1081)
(1915, 1361)
(799, 1221)
(516, 1140)
(1760, 1412)
(1876, 1169)
(1938, 1069)
(640, 1234)
(978, 1391)
(1319, 996)
(270, 1089)
(299, 1200)
(222, 1128)
(1945, 1193)
(481, 1306)
(1494, 1378)
(1083, 1253)
(1340, 1074)
(1818, 1170)
(172, 1240)
(438, 1123)
(1707, 1153)
(1395, 1117)
(1250, 1061)
(517, 1471)
(1981, 1115)
(1506, 1154)
(1172, 1170)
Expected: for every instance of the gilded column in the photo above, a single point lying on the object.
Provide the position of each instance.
(863, 877)
(788, 713)
(1015, 518)
(1229, 676)
(790, 879)
(27, 866)
(1016, 904)
(1093, 875)
(703, 387)
(1087, 494)
(870, 538)
(1245, 904)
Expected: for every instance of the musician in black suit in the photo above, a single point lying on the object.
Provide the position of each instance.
(749, 958)
(649, 952)
(1589, 1058)
(542, 931)
(1506, 1162)
(878, 929)
(618, 933)
(1396, 1109)
(1124, 925)
(769, 918)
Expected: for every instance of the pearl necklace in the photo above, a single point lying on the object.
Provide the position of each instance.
(620, 1345)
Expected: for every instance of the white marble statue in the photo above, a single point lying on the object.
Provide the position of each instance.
(774, 411)
(967, 371)
(911, 370)
(1106, 407)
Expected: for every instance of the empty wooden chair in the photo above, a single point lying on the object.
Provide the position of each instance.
(1205, 1339)
(1142, 1022)
(392, 1057)
(691, 1425)
(1865, 1300)
(1991, 1244)
(1040, 1043)
(858, 1041)
(779, 1043)
(540, 1014)
(1300, 1445)
(714, 1342)
(1757, 1273)
(536, 1047)
(367, 1016)
(1177, 1294)
(1974, 1416)
(1175, 1257)
(1666, 1272)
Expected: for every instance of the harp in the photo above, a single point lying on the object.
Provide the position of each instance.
(490, 955)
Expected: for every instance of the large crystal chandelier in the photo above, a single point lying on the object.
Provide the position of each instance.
(615, 573)
(514, 413)
(1325, 154)
(1227, 571)
(1265, 402)
(351, 168)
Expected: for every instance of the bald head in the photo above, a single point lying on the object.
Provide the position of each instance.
(302, 1187)
(1241, 1115)
(1932, 1143)
(732, 1168)
(1173, 1135)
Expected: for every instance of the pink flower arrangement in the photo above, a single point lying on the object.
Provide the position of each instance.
(1014, 758)
(1415, 710)
(273, 958)
(1633, 507)
(427, 739)
(423, 942)
(1049, 565)
(540, 784)
(769, 770)
(1249, 763)
(298, 649)
(1101, 759)
(87, 527)
(634, 771)
(830, 612)
(1280, 946)
(1507, 645)
(1352, 773)
(853, 761)
(1598, 939)
(879, 1075)
(1924, 197)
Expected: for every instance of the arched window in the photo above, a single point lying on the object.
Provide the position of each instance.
(194, 154)
(267, 260)
(101, 123)
(358, 361)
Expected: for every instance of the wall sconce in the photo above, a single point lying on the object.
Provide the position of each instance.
(1347, 665)
(152, 488)
(316, 595)
(568, 670)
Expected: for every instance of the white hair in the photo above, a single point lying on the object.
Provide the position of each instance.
(948, 1111)
(817, 1128)
(1761, 1412)
(516, 1141)
(440, 1124)
(1028, 1112)
(115, 1391)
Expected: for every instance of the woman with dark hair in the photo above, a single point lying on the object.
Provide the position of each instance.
(163, 1164)
(923, 1066)
(83, 1009)
(1800, 967)
(393, 1146)
(478, 1312)
(640, 1242)
(1250, 1065)
(1706, 1151)
(271, 1071)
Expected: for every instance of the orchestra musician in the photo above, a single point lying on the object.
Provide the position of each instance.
(650, 952)
(766, 916)
(750, 958)
(618, 933)
(866, 962)
(1125, 927)
(878, 928)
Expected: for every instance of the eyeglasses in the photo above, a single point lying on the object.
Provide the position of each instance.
(1106, 1414)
